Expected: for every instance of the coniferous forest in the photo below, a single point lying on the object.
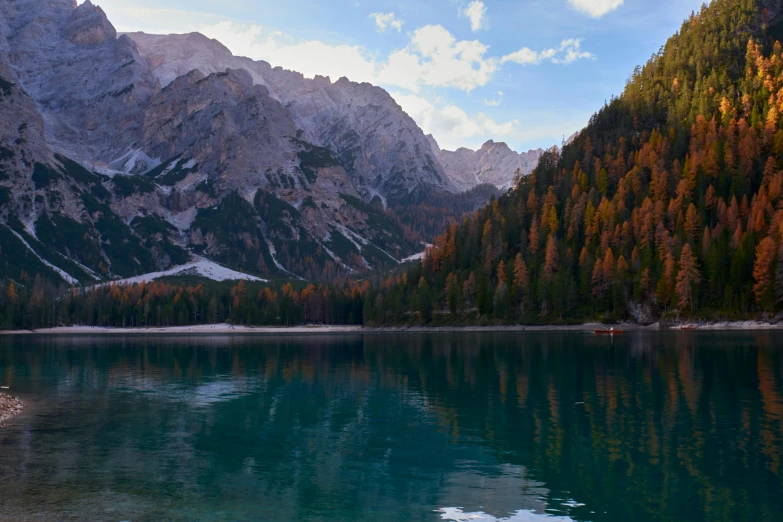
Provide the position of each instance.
(668, 204)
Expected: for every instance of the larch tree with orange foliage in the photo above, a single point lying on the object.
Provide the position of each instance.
(763, 271)
(687, 278)
(551, 259)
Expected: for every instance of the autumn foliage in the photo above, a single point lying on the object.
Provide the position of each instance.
(669, 202)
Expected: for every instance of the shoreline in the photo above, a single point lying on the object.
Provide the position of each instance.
(10, 407)
(325, 330)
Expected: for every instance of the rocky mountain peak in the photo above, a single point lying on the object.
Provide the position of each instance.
(89, 26)
(493, 147)
(433, 143)
(382, 149)
(494, 163)
(126, 153)
(91, 86)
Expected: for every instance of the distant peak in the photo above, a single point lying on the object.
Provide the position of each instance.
(433, 143)
(322, 81)
(493, 144)
(193, 38)
(88, 25)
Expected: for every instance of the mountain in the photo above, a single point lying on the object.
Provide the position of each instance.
(668, 204)
(381, 147)
(494, 163)
(116, 163)
(91, 85)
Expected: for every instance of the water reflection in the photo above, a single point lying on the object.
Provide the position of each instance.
(681, 426)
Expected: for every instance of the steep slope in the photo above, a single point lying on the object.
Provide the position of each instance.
(669, 203)
(381, 147)
(54, 217)
(494, 163)
(233, 157)
(91, 85)
(210, 165)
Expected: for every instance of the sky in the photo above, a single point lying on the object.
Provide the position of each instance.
(526, 72)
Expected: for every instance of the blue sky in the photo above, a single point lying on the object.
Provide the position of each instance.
(526, 72)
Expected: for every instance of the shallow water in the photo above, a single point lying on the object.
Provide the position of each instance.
(506, 426)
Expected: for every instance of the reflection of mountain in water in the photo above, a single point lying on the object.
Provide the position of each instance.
(684, 426)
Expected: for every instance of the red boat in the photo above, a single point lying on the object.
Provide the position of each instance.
(608, 332)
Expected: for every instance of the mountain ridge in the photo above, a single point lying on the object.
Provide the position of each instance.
(111, 169)
(349, 118)
(209, 164)
(494, 163)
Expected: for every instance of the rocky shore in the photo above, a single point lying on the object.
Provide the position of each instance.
(334, 329)
(9, 406)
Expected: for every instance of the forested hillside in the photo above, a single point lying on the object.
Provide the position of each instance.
(669, 202)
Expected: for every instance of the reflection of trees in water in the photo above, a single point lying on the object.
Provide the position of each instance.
(681, 425)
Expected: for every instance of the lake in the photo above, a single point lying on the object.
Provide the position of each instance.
(394, 427)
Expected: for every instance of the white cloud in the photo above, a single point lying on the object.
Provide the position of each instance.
(128, 17)
(309, 57)
(432, 60)
(596, 8)
(384, 21)
(452, 126)
(568, 51)
(476, 12)
(496, 101)
(435, 58)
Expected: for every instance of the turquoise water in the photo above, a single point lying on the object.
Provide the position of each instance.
(517, 427)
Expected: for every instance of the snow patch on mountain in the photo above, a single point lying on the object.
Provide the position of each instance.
(62, 273)
(201, 267)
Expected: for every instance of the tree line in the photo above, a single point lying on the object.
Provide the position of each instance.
(669, 203)
(36, 303)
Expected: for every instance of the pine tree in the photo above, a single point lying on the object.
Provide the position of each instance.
(520, 281)
(11, 293)
(779, 278)
(692, 222)
(424, 301)
(551, 259)
(763, 269)
(598, 278)
(520, 272)
(687, 278)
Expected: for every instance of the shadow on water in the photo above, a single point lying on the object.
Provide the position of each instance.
(505, 426)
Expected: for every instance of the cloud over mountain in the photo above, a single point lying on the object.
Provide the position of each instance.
(596, 8)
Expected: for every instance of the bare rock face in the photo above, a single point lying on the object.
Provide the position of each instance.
(172, 56)
(231, 128)
(22, 141)
(493, 163)
(232, 153)
(105, 175)
(381, 147)
(91, 86)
